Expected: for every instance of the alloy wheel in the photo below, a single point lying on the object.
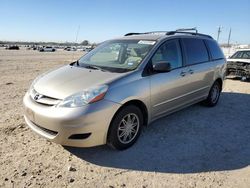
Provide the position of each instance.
(128, 128)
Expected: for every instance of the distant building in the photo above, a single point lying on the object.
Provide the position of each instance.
(241, 46)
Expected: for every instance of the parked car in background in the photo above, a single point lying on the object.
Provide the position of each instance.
(110, 93)
(88, 48)
(13, 47)
(69, 48)
(47, 49)
(239, 64)
(33, 47)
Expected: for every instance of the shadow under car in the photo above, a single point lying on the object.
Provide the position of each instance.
(196, 139)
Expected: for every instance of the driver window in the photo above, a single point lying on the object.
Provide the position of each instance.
(169, 52)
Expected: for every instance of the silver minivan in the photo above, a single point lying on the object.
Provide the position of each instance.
(110, 93)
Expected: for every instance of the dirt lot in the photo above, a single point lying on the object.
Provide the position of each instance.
(196, 147)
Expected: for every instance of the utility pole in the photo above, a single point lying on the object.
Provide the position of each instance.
(229, 37)
(219, 31)
(228, 41)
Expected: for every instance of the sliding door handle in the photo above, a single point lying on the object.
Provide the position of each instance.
(191, 71)
(183, 73)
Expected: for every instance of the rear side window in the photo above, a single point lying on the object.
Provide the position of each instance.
(196, 51)
(215, 50)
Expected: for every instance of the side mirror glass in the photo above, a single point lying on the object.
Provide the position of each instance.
(162, 66)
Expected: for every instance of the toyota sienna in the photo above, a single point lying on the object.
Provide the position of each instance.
(110, 93)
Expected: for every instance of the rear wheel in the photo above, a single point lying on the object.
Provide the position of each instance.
(214, 95)
(125, 128)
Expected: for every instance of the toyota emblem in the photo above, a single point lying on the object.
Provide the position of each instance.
(37, 97)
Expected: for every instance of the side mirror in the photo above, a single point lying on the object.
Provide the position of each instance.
(162, 66)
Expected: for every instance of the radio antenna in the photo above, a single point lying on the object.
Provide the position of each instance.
(78, 29)
(77, 32)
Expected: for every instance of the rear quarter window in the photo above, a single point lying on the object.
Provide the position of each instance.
(195, 50)
(214, 49)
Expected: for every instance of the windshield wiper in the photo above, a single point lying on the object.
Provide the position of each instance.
(94, 67)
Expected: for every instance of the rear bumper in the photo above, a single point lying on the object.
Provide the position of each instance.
(88, 125)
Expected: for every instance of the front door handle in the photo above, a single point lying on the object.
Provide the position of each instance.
(191, 71)
(183, 73)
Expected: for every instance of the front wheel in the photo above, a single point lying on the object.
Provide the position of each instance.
(214, 95)
(125, 128)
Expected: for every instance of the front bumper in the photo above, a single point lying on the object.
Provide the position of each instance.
(238, 72)
(240, 69)
(80, 127)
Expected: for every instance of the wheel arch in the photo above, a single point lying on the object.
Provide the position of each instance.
(137, 103)
(219, 80)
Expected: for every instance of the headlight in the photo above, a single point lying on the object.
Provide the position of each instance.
(87, 96)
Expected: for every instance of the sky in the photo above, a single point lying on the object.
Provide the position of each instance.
(99, 20)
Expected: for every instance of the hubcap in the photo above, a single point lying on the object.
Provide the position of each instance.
(215, 93)
(128, 128)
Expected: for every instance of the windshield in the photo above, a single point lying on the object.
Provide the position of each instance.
(241, 55)
(117, 55)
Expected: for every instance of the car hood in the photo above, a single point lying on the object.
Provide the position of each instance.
(239, 60)
(68, 80)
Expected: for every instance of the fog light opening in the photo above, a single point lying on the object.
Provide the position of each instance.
(80, 136)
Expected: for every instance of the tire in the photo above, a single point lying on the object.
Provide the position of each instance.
(118, 138)
(214, 95)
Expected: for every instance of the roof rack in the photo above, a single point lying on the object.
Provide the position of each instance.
(151, 32)
(186, 31)
(178, 31)
(129, 34)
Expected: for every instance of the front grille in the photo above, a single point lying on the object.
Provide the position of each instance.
(53, 133)
(237, 65)
(49, 101)
(43, 99)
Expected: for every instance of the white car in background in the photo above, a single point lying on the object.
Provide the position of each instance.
(239, 64)
(47, 49)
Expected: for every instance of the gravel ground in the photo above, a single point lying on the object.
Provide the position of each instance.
(195, 147)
